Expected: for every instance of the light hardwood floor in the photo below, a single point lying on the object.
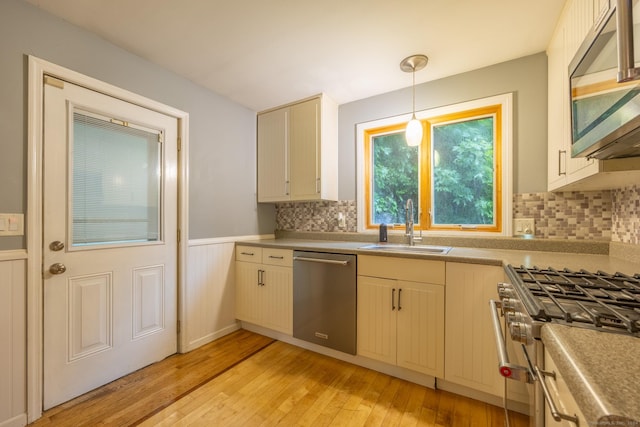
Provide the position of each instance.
(245, 379)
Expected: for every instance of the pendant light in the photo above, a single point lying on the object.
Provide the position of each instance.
(411, 64)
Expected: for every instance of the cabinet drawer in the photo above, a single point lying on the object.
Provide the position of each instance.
(249, 254)
(413, 270)
(282, 257)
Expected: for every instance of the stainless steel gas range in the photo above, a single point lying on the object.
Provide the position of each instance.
(534, 297)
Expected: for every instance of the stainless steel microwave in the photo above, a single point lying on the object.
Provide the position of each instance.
(605, 86)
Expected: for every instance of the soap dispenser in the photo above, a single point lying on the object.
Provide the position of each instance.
(383, 233)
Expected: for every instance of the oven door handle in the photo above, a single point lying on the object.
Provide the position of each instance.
(553, 409)
(506, 369)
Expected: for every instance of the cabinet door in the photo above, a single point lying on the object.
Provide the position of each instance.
(470, 348)
(377, 318)
(247, 292)
(420, 315)
(304, 140)
(557, 136)
(277, 299)
(273, 156)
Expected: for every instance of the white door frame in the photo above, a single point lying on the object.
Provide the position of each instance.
(38, 68)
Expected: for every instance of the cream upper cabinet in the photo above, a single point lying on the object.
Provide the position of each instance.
(264, 287)
(273, 156)
(401, 312)
(565, 172)
(298, 151)
(558, 107)
(575, 22)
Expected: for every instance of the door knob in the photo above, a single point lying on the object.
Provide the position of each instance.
(57, 268)
(56, 246)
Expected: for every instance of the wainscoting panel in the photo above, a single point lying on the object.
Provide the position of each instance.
(13, 393)
(210, 295)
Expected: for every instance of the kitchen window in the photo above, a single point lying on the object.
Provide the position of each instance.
(459, 178)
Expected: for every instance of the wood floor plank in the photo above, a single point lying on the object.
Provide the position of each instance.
(131, 398)
(383, 403)
(253, 381)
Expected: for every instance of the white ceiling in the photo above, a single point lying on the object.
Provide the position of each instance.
(263, 53)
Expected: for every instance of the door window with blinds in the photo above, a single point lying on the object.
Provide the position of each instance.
(115, 190)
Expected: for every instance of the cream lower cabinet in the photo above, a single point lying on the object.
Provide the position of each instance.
(401, 312)
(562, 398)
(470, 349)
(264, 287)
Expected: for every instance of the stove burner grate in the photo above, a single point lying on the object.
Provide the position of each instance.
(599, 300)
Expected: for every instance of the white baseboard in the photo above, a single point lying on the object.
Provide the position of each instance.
(18, 421)
(209, 338)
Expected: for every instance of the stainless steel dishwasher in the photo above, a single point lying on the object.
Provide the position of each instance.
(324, 299)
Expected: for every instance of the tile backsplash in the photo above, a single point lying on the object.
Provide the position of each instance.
(567, 215)
(316, 216)
(595, 215)
(626, 215)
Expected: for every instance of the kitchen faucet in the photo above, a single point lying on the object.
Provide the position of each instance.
(408, 224)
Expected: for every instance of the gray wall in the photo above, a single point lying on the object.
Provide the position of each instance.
(222, 133)
(525, 77)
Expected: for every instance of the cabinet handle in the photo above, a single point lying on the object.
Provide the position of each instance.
(318, 185)
(247, 253)
(558, 416)
(561, 153)
(286, 188)
(276, 257)
(393, 299)
(260, 277)
(399, 294)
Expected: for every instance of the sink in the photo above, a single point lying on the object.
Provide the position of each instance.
(425, 249)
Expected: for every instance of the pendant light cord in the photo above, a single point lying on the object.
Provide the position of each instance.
(414, 93)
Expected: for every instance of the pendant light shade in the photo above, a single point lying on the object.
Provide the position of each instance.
(414, 132)
(411, 64)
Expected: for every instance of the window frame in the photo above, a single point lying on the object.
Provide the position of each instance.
(499, 107)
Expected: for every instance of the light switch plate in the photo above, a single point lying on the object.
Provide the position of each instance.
(524, 227)
(11, 224)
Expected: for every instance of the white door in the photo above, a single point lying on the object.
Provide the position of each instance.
(110, 239)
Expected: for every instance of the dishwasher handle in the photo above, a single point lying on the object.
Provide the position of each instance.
(321, 260)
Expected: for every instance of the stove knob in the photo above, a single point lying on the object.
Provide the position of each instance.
(514, 317)
(509, 304)
(502, 286)
(506, 292)
(520, 332)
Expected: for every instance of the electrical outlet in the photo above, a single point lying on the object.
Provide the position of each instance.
(524, 227)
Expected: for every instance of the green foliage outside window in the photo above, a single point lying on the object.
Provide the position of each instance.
(463, 178)
(462, 175)
(395, 178)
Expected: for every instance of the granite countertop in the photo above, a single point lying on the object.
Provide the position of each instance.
(488, 256)
(601, 369)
